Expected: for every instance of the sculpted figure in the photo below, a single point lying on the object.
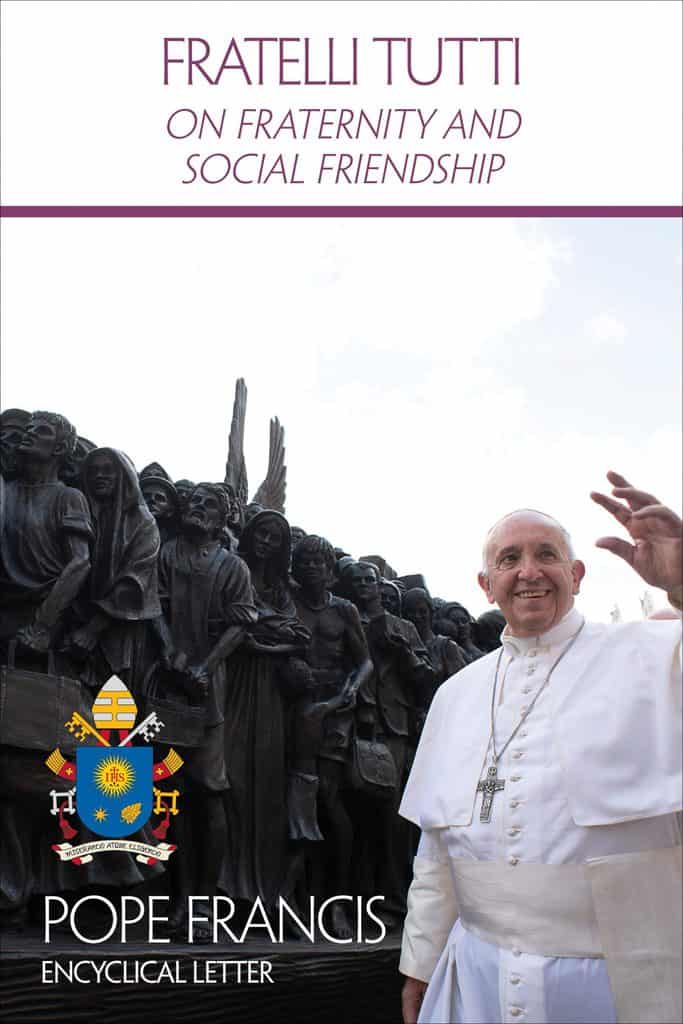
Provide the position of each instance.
(455, 621)
(13, 423)
(251, 510)
(390, 595)
(384, 570)
(71, 469)
(388, 705)
(487, 630)
(339, 664)
(297, 535)
(45, 529)
(235, 514)
(257, 695)
(122, 591)
(444, 654)
(183, 489)
(161, 497)
(207, 600)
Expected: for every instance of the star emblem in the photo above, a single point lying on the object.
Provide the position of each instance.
(100, 814)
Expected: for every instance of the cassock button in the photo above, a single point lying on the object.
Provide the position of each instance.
(515, 979)
(517, 754)
(523, 710)
(515, 778)
(531, 669)
(516, 951)
(513, 861)
(532, 654)
(513, 831)
(526, 689)
(515, 1011)
(514, 803)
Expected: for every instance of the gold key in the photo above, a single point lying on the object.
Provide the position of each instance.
(80, 728)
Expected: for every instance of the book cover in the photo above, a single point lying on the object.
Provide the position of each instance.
(441, 244)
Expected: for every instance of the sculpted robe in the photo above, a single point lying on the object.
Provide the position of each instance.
(563, 907)
(35, 523)
(123, 581)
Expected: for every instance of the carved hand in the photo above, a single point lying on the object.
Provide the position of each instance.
(657, 551)
(200, 676)
(83, 639)
(35, 637)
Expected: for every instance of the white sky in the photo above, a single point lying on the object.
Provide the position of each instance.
(431, 375)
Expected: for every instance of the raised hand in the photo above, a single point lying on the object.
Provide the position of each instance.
(656, 553)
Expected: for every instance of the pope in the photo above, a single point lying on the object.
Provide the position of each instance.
(547, 785)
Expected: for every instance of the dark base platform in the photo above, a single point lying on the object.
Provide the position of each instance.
(320, 983)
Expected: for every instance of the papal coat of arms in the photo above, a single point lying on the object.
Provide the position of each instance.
(115, 788)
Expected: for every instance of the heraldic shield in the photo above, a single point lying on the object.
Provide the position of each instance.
(114, 791)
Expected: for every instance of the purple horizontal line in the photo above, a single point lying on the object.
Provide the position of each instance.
(341, 211)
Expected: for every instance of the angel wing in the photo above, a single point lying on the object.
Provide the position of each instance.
(236, 467)
(271, 493)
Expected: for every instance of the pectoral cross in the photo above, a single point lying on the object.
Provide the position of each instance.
(489, 787)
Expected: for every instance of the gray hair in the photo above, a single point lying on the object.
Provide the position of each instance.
(565, 534)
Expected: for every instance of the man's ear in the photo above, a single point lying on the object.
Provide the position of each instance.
(485, 584)
(578, 572)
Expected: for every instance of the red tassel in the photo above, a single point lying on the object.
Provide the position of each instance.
(162, 828)
(67, 831)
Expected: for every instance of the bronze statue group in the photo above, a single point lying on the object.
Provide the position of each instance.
(296, 677)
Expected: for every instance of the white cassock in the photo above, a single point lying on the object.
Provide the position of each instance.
(565, 906)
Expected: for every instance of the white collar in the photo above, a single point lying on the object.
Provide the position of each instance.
(560, 633)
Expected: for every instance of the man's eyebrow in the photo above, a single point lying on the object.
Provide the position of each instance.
(511, 549)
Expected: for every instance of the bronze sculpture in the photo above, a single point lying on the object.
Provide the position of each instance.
(13, 423)
(340, 664)
(207, 600)
(257, 697)
(161, 496)
(304, 674)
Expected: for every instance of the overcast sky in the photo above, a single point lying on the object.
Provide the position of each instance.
(431, 375)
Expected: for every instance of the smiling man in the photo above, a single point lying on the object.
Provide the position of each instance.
(547, 784)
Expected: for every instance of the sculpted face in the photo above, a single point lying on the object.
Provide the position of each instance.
(202, 512)
(531, 576)
(297, 535)
(312, 569)
(102, 477)
(158, 500)
(183, 489)
(417, 611)
(363, 582)
(391, 602)
(461, 622)
(269, 536)
(39, 440)
(11, 436)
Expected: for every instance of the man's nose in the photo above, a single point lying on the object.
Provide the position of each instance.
(529, 568)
